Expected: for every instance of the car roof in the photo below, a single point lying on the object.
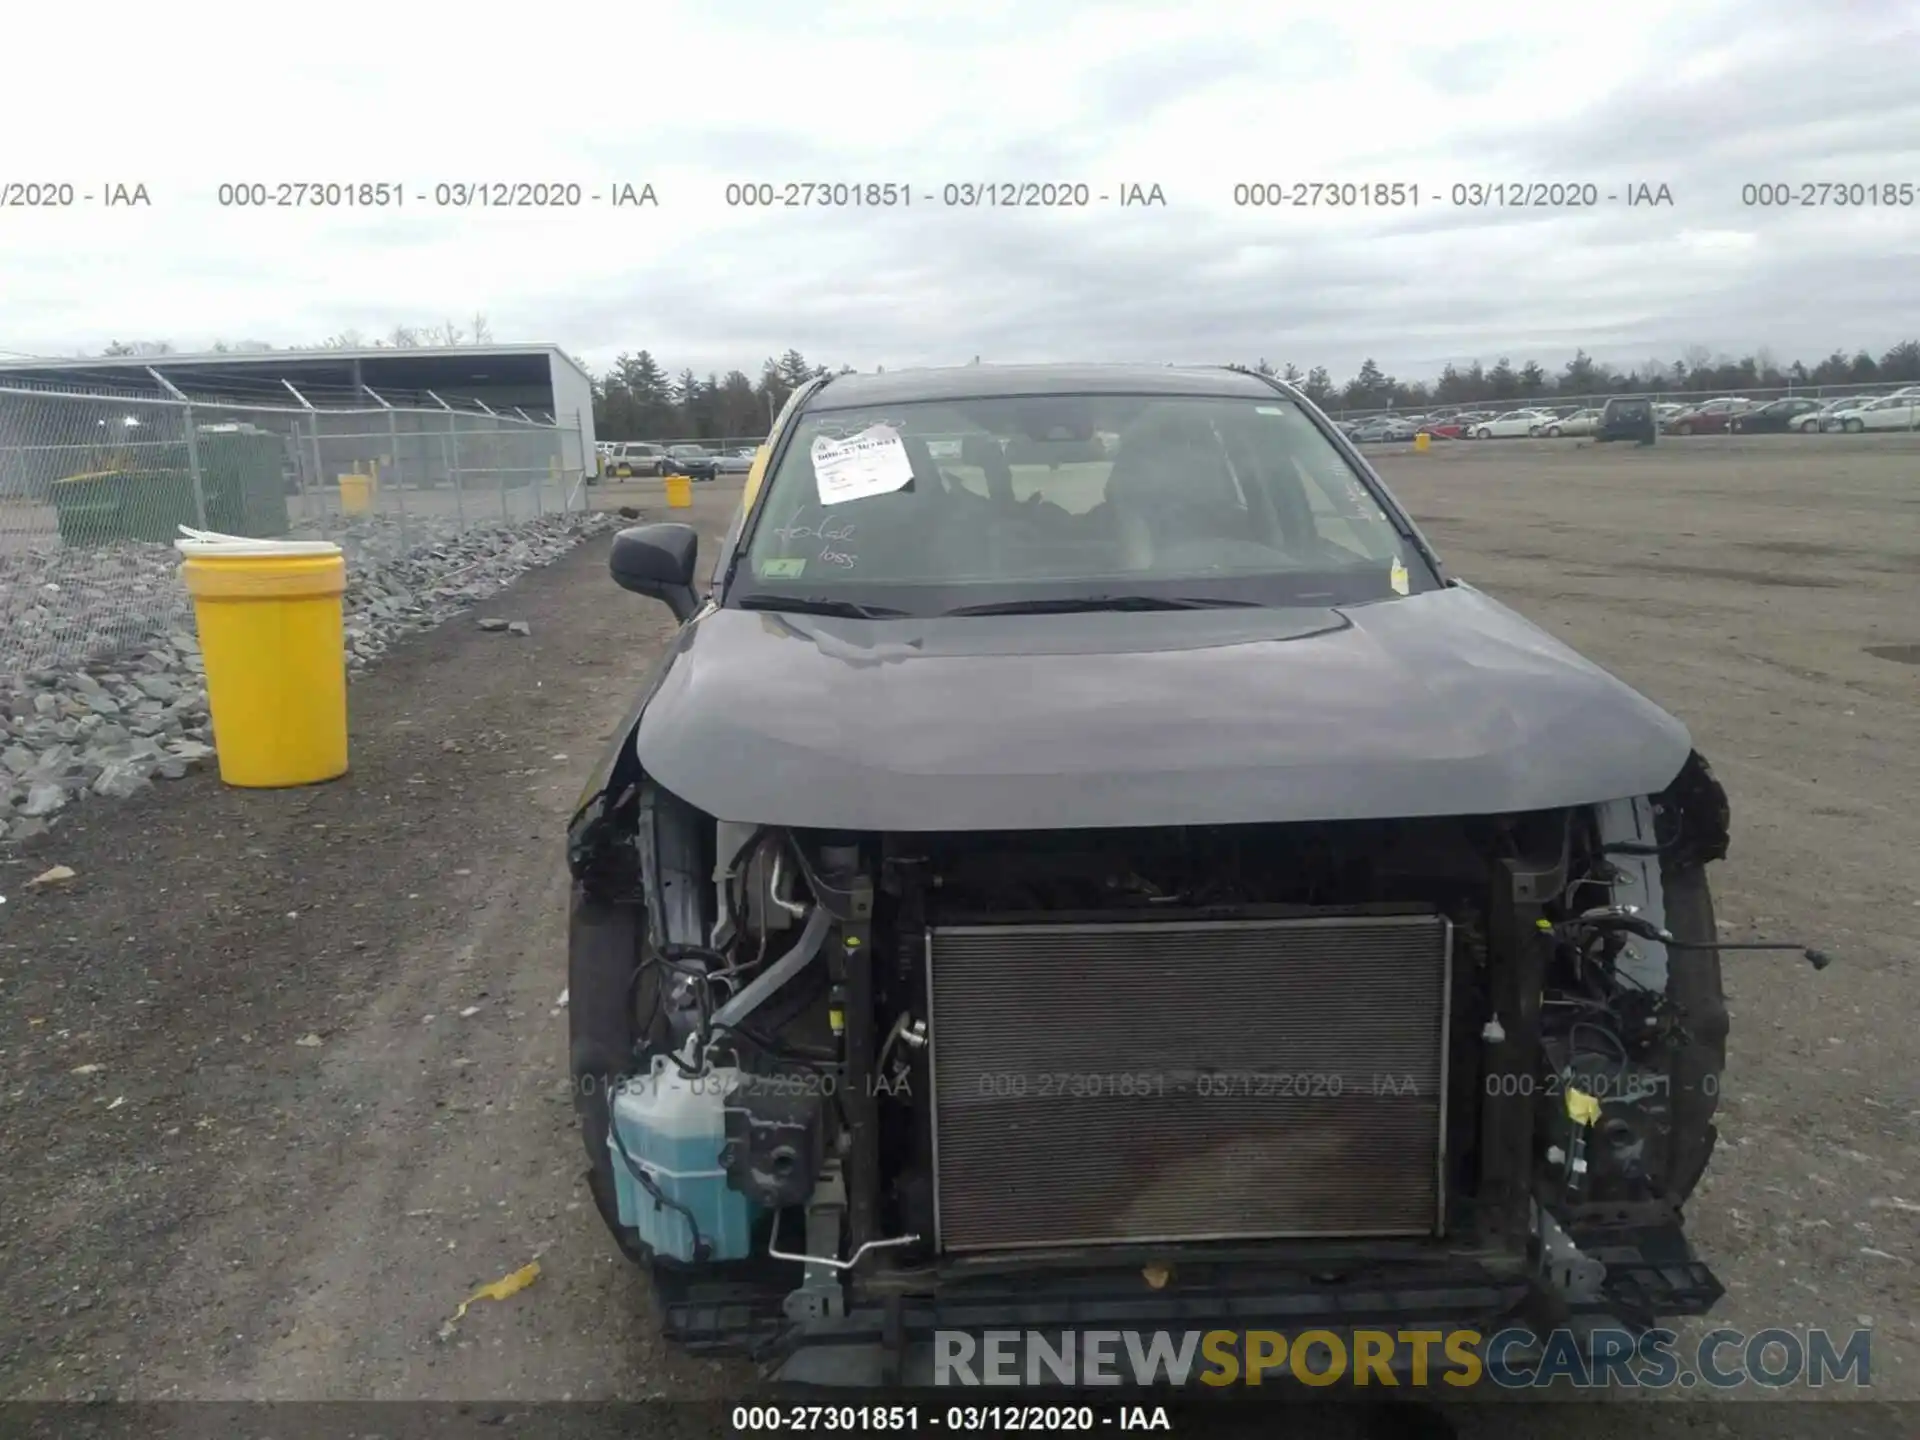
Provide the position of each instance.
(974, 382)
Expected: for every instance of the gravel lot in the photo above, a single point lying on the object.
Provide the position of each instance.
(202, 1202)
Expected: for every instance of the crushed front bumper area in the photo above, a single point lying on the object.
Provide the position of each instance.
(1648, 1276)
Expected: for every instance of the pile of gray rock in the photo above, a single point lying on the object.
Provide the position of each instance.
(394, 591)
(110, 727)
(115, 697)
(59, 606)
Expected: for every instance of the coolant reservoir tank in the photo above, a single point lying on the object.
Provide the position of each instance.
(670, 1128)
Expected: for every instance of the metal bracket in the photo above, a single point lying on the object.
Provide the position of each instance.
(820, 1294)
(850, 902)
(1564, 1266)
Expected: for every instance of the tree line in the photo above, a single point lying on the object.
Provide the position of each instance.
(1584, 378)
(637, 400)
(436, 336)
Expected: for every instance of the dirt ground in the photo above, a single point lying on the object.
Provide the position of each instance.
(220, 1211)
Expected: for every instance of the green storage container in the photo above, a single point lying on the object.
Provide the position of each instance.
(116, 505)
(241, 478)
(244, 478)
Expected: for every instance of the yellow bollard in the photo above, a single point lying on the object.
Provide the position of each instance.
(274, 643)
(356, 494)
(1423, 441)
(679, 491)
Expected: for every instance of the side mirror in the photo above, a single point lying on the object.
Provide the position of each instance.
(658, 560)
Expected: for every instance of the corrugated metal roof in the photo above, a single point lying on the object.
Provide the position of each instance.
(269, 358)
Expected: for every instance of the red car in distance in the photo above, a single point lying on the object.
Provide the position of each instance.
(1710, 418)
(1450, 427)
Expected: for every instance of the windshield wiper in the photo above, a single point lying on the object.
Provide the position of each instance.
(819, 605)
(1068, 605)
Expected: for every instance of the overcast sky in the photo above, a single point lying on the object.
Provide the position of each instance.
(1195, 98)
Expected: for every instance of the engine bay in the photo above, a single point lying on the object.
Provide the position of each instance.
(870, 1064)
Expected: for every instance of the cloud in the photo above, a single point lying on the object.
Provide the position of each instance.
(1704, 99)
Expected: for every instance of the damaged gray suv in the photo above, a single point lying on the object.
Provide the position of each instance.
(1083, 855)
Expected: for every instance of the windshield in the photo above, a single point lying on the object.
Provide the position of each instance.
(929, 508)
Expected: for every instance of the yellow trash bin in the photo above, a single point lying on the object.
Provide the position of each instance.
(1422, 441)
(356, 494)
(273, 637)
(679, 491)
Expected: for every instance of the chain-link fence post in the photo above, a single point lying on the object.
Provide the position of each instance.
(539, 476)
(193, 469)
(307, 485)
(450, 457)
(506, 511)
(193, 446)
(399, 472)
(586, 459)
(320, 517)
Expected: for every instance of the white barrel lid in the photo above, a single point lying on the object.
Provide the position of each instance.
(210, 542)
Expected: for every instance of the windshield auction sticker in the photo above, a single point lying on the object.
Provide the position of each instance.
(874, 462)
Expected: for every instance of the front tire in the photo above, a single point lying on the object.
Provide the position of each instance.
(1483, 434)
(1854, 427)
(1698, 1068)
(1553, 432)
(603, 1006)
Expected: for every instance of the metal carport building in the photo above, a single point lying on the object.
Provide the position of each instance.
(541, 381)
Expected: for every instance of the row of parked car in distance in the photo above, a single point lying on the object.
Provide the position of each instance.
(625, 459)
(1623, 417)
(1728, 414)
(1850, 414)
(1510, 424)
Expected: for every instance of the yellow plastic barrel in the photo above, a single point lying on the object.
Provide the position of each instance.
(755, 474)
(356, 494)
(273, 638)
(1422, 441)
(679, 491)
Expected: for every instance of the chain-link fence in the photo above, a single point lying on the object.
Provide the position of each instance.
(94, 485)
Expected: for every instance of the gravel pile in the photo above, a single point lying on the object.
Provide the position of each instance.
(395, 590)
(102, 685)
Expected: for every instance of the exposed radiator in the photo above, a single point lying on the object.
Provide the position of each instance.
(1188, 1080)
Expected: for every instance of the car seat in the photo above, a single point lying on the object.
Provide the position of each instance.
(984, 453)
(1170, 486)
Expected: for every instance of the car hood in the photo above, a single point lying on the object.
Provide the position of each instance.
(1436, 704)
